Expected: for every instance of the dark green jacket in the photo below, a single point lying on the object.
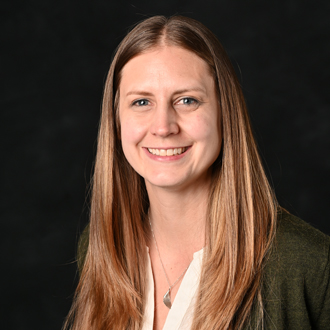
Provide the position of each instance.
(296, 288)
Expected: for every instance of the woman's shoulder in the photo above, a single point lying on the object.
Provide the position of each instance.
(299, 243)
(299, 252)
(82, 248)
(296, 276)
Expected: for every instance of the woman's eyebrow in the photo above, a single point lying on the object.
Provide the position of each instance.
(180, 91)
(138, 92)
(191, 89)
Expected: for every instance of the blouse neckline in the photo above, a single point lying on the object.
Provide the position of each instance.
(181, 313)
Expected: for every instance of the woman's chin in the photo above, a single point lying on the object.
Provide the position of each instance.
(165, 182)
(178, 182)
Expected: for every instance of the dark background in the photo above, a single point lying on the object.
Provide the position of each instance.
(54, 59)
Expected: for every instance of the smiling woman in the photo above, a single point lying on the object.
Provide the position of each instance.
(185, 231)
(170, 127)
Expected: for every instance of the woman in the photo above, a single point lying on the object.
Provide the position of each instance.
(185, 231)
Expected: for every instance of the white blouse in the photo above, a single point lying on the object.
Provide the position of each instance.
(181, 313)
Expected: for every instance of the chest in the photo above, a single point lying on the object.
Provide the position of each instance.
(182, 295)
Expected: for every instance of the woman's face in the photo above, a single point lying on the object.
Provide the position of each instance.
(170, 117)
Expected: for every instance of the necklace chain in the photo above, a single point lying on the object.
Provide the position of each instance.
(167, 298)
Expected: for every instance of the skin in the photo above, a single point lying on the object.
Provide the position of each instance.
(168, 100)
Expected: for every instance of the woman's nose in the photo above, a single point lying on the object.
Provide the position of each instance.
(164, 121)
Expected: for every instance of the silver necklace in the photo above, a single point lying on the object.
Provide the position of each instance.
(167, 295)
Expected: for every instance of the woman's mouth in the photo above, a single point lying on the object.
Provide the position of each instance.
(168, 152)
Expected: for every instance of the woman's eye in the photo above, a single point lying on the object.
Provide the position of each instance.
(188, 101)
(141, 103)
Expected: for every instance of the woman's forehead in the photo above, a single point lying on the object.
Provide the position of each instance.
(166, 65)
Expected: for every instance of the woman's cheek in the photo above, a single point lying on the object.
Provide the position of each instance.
(132, 132)
(202, 127)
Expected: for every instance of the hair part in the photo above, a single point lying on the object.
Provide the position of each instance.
(242, 208)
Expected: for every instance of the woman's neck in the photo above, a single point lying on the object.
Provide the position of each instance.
(178, 217)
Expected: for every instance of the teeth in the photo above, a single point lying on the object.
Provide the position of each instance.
(167, 152)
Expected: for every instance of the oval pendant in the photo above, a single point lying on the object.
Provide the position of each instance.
(167, 299)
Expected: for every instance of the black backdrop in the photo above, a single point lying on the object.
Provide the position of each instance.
(54, 58)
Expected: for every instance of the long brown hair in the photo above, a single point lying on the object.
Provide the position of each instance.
(242, 207)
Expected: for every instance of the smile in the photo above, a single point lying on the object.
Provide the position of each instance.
(167, 152)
